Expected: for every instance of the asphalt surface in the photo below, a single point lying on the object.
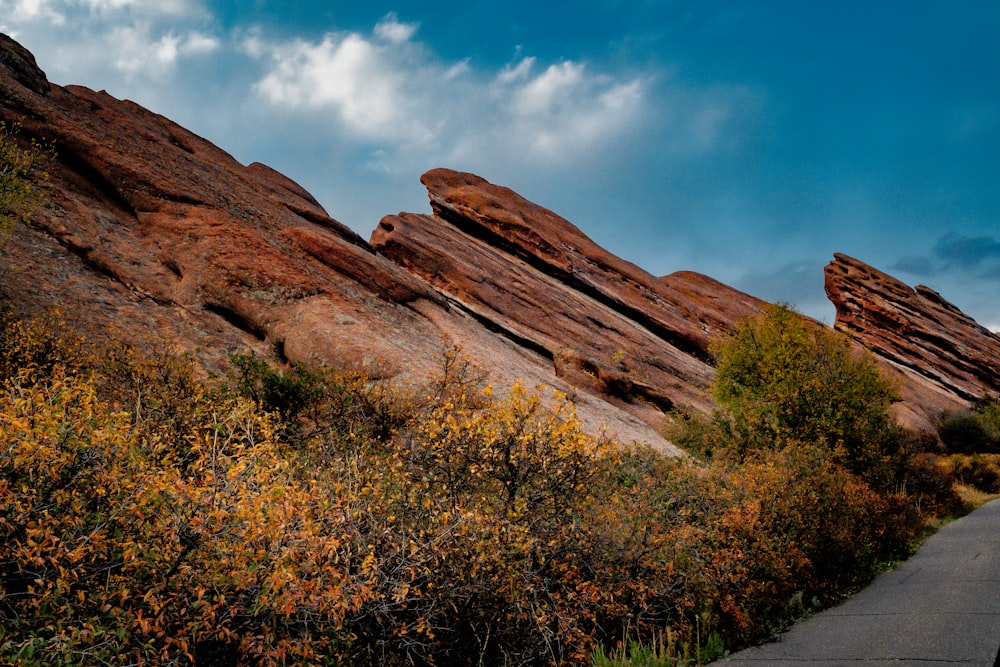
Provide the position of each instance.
(941, 607)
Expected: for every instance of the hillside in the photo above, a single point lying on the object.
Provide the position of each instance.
(155, 232)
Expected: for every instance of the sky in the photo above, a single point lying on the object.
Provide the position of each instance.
(745, 140)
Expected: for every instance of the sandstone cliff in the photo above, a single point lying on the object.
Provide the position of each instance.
(163, 236)
(605, 324)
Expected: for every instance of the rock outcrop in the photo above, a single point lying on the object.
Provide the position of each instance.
(155, 232)
(943, 357)
(537, 280)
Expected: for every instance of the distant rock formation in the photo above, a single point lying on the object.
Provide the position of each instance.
(943, 356)
(154, 231)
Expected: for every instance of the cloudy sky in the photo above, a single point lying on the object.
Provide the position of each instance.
(746, 140)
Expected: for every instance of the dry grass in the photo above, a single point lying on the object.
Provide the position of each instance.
(973, 497)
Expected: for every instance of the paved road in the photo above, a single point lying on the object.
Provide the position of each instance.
(941, 607)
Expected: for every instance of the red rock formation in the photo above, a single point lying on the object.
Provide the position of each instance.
(943, 357)
(686, 309)
(157, 232)
(172, 236)
(605, 323)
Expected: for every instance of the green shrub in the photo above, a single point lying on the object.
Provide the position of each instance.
(705, 436)
(287, 394)
(782, 379)
(976, 431)
(21, 175)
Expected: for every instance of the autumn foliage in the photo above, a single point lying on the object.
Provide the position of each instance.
(151, 515)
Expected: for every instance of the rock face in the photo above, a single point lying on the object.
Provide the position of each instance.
(943, 356)
(157, 233)
(534, 278)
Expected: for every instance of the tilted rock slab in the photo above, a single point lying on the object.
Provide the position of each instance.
(942, 357)
(155, 230)
(534, 278)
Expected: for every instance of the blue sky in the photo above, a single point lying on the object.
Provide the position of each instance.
(745, 140)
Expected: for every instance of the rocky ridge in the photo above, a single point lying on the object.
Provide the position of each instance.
(154, 231)
(941, 356)
(603, 323)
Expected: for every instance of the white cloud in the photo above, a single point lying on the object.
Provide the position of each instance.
(198, 44)
(141, 53)
(56, 12)
(510, 74)
(387, 89)
(391, 30)
(174, 8)
(21, 11)
(457, 70)
(103, 41)
(564, 110)
(364, 83)
(547, 92)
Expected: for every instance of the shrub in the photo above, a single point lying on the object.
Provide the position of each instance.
(930, 484)
(813, 486)
(781, 379)
(115, 554)
(286, 394)
(976, 431)
(21, 175)
(481, 507)
(42, 344)
(151, 515)
(705, 436)
(163, 393)
(981, 471)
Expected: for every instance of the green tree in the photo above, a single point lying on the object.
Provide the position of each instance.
(782, 380)
(21, 172)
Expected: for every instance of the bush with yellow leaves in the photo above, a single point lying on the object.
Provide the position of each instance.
(150, 516)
